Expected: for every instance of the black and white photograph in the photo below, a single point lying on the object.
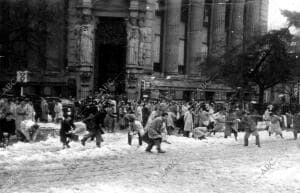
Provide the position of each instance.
(149, 96)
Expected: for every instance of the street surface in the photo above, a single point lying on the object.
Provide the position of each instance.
(215, 165)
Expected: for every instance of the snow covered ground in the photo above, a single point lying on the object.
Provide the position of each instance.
(215, 165)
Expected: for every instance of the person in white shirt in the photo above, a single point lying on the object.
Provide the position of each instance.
(139, 112)
(58, 109)
(135, 128)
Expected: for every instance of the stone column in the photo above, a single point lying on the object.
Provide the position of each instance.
(236, 28)
(251, 21)
(85, 49)
(171, 36)
(195, 36)
(146, 36)
(217, 43)
(134, 62)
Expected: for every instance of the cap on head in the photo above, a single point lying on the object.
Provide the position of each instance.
(131, 118)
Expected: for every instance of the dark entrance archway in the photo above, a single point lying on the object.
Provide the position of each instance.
(111, 46)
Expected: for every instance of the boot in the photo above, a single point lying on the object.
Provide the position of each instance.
(245, 142)
(148, 149)
(281, 136)
(257, 142)
(67, 145)
(83, 142)
(159, 150)
(129, 139)
(140, 140)
(235, 136)
(98, 144)
(295, 135)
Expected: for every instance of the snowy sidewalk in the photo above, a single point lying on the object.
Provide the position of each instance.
(212, 165)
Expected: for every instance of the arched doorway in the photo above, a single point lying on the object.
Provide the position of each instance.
(110, 53)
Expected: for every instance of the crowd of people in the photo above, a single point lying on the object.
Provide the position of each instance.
(151, 121)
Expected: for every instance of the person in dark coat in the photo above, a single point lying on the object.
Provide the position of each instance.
(231, 124)
(145, 113)
(7, 128)
(296, 125)
(153, 136)
(51, 105)
(250, 128)
(94, 126)
(66, 135)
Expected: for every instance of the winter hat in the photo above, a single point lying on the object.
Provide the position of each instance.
(131, 118)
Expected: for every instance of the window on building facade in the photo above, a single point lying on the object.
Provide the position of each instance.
(181, 56)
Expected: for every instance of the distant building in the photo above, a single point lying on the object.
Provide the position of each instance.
(148, 47)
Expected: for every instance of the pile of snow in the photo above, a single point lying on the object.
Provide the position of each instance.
(49, 126)
(51, 150)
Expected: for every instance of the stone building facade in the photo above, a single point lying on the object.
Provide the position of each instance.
(151, 47)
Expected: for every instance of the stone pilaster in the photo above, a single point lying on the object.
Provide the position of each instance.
(146, 36)
(251, 29)
(85, 48)
(236, 28)
(217, 43)
(195, 36)
(263, 21)
(172, 36)
(134, 62)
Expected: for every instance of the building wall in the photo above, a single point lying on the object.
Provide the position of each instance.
(173, 45)
(264, 7)
(46, 68)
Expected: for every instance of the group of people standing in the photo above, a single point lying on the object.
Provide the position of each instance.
(18, 110)
(151, 121)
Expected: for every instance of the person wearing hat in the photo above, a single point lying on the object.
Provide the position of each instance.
(250, 128)
(154, 136)
(135, 127)
(94, 125)
(65, 132)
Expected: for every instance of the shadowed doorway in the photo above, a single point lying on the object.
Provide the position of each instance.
(111, 44)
